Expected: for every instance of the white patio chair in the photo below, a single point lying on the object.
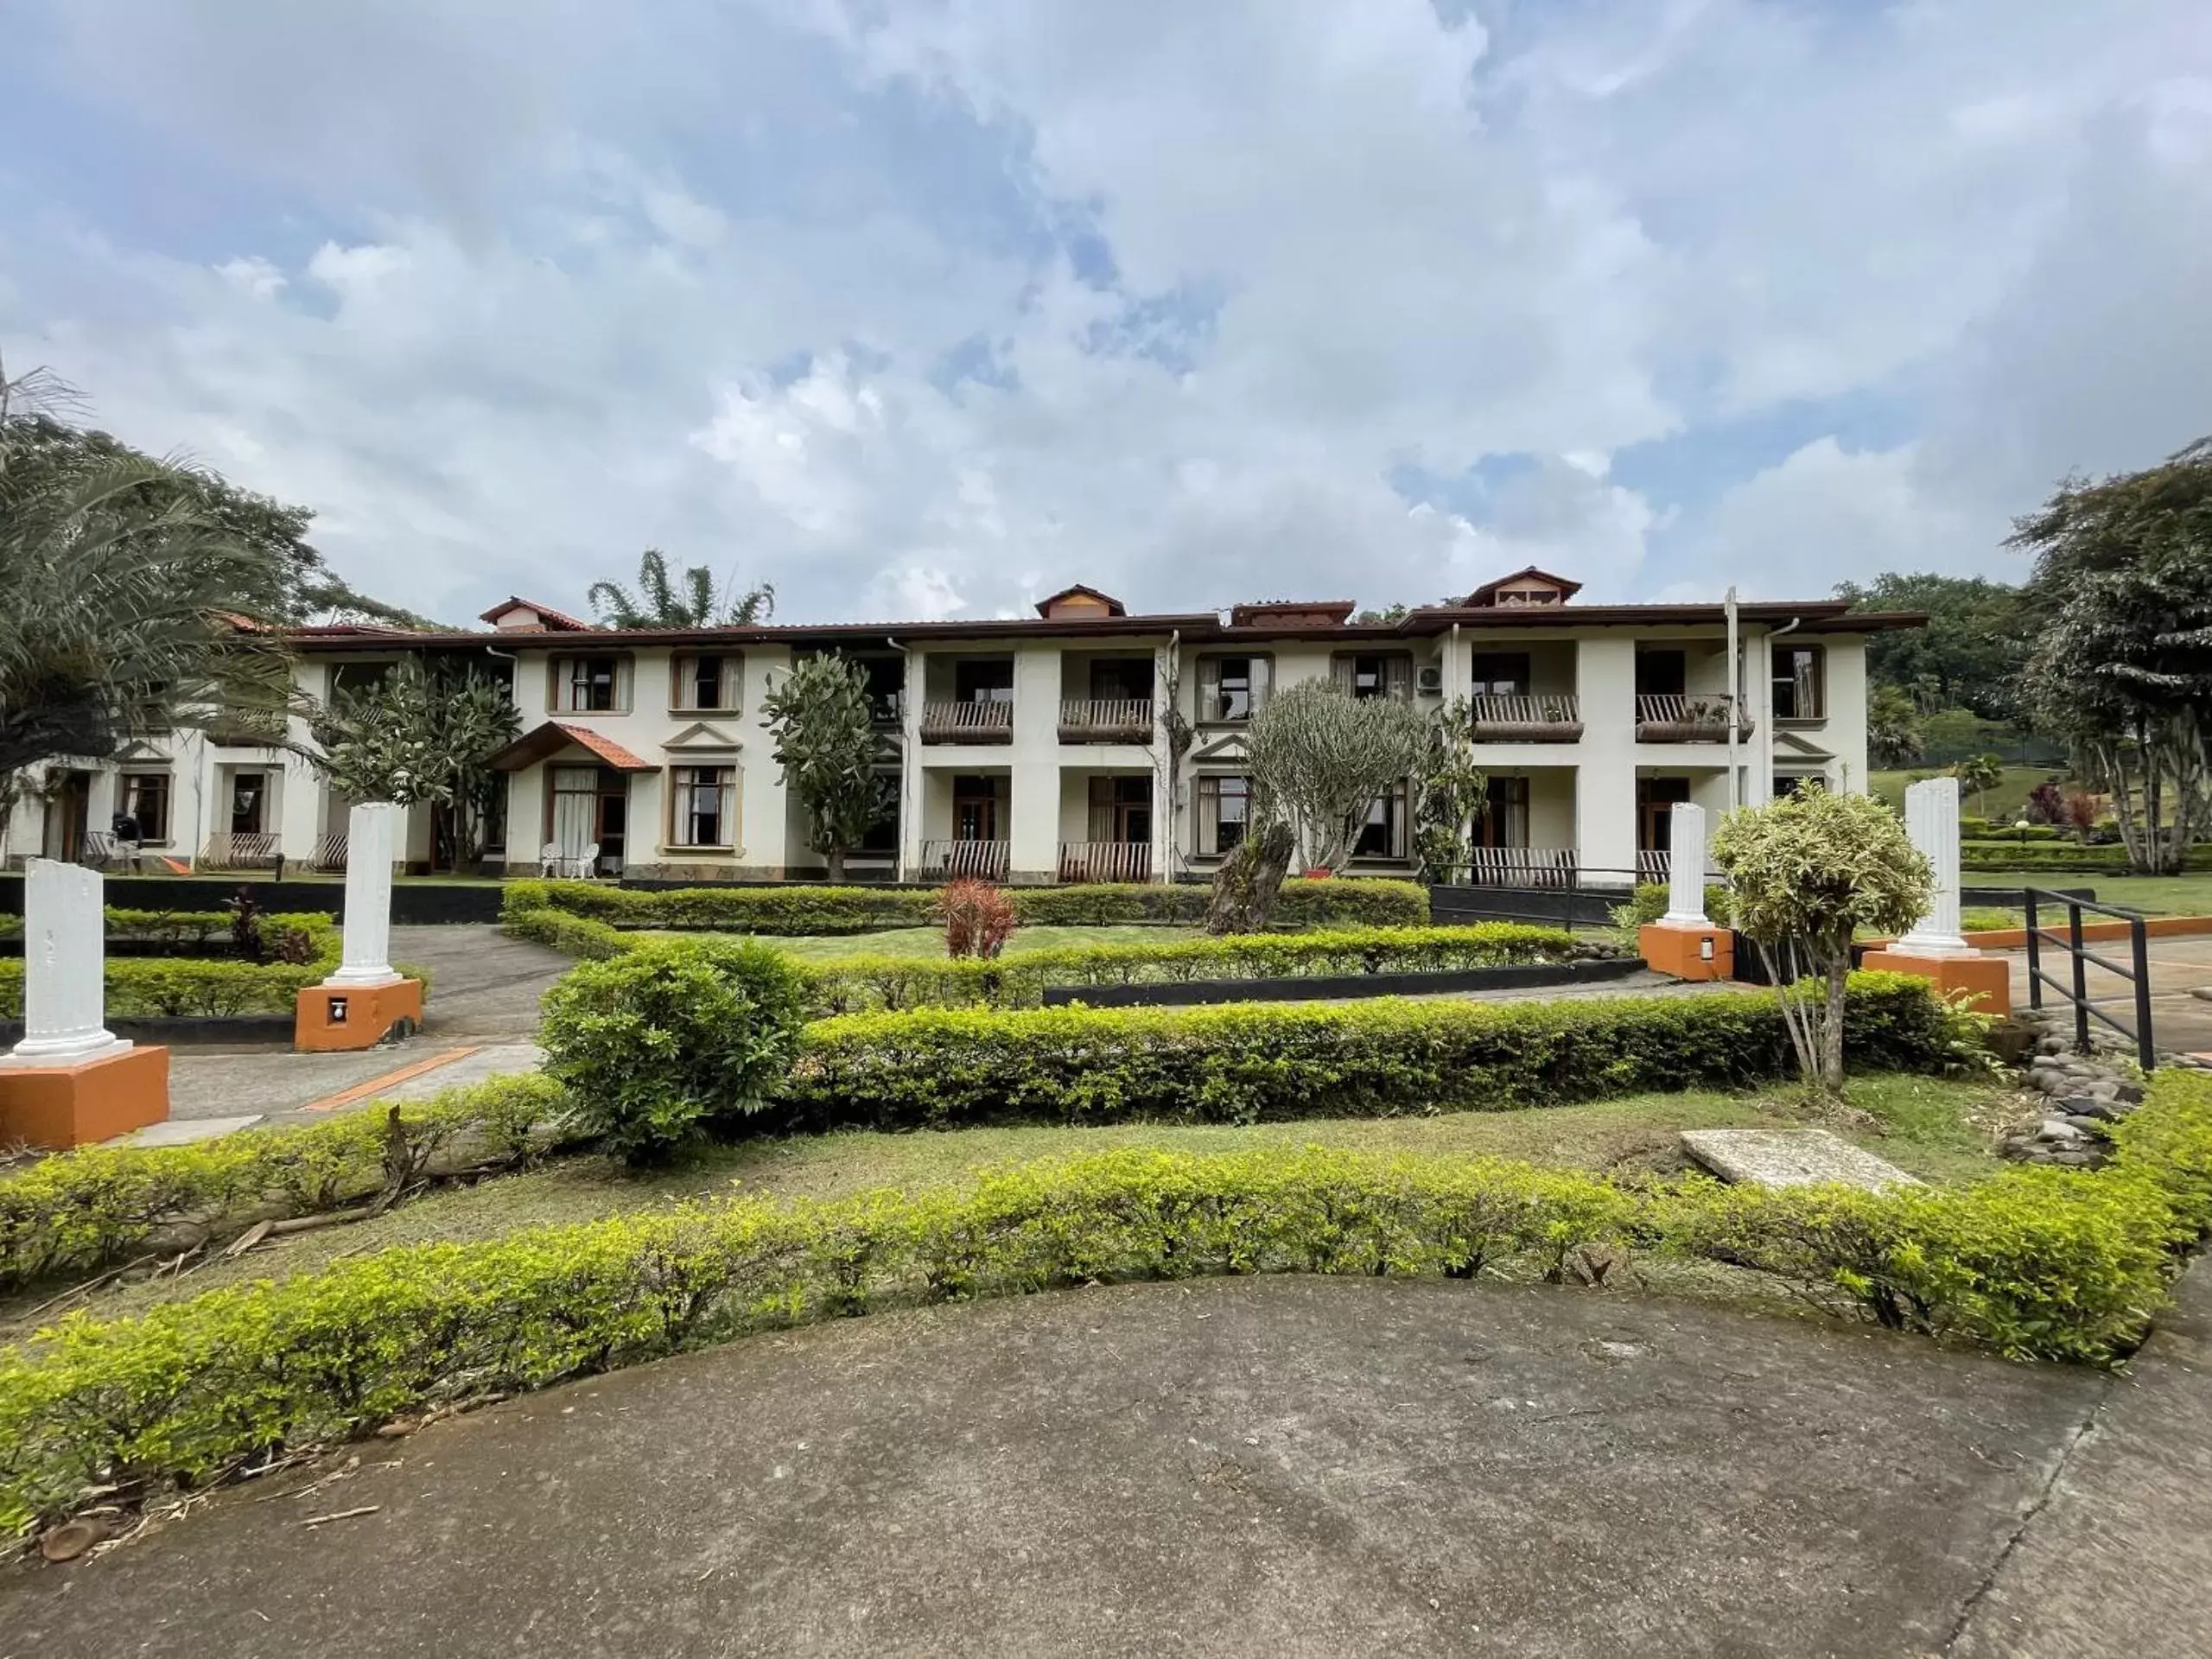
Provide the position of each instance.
(587, 866)
(550, 861)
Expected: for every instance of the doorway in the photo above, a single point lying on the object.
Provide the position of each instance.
(1120, 810)
(1656, 798)
(68, 813)
(249, 802)
(977, 809)
(1661, 673)
(589, 806)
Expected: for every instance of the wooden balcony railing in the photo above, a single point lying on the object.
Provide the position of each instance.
(1105, 861)
(1660, 866)
(1526, 720)
(330, 852)
(1106, 720)
(950, 861)
(1523, 867)
(967, 723)
(1700, 717)
(240, 852)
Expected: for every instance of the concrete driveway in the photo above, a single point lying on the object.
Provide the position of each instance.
(1277, 1467)
(2181, 1023)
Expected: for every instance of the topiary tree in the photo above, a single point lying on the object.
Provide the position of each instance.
(1807, 872)
(1320, 757)
(657, 1044)
(824, 729)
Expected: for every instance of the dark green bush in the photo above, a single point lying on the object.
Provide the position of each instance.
(656, 1043)
(77, 1212)
(2034, 1263)
(1256, 1063)
(817, 910)
(2061, 855)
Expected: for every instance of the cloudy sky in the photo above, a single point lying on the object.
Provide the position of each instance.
(924, 307)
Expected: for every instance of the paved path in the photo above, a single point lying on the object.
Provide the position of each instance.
(482, 1019)
(1278, 1467)
(2182, 1023)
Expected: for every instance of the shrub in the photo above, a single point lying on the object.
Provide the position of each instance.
(2061, 855)
(1650, 902)
(1251, 1063)
(822, 910)
(978, 919)
(78, 1211)
(656, 1043)
(2040, 1263)
(1984, 921)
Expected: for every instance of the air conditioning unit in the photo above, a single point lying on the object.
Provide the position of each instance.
(1429, 679)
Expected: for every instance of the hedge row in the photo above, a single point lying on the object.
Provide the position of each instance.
(193, 929)
(201, 987)
(1978, 829)
(2033, 1263)
(1259, 1063)
(864, 984)
(2061, 855)
(1343, 902)
(78, 1211)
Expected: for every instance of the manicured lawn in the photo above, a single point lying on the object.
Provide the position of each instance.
(2004, 801)
(929, 941)
(1938, 1129)
(2161, 895)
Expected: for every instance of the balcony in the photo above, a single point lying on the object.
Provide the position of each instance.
(1106, 720)
(1700, 717)
(1105, 861)
(1526, 720)
(1523, 866)
(951, 861)
(967, 723)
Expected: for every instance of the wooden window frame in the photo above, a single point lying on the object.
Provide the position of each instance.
(560, 676)
(673, 815)
(1397, 672)
(168, 775)
(1820, 681)
(681, 684)
(1206, 797)
(1210, 676)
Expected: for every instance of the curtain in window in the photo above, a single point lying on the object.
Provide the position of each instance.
(575, 809)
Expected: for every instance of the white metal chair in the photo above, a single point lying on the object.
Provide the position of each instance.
(587, 866)
(550, 862)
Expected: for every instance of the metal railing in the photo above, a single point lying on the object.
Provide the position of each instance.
(1105, 720)
(950, 861)
(238, 852)
(1542, 719)
(1697, 717)
(1523, 866)
(330, 852)
(2075, 989)
(967, 723)
(1105, 861)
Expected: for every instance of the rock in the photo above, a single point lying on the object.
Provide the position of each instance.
(2082, 1160)
(2130, 1092)
(2107, 1111)
(2051, 1045)
(2059, 1131)
(1794, 1158)
(2086, 1123)
(71, 1538)
(2104, 1088)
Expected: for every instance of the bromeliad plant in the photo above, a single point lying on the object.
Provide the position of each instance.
(1808, 871)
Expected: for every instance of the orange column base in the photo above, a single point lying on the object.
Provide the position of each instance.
(334, 1018)
(60, 1106)
(1988, 979)
(1681, 951)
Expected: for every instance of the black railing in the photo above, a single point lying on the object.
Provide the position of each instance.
(2075, 989)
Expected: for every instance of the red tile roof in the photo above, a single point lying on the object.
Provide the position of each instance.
(550, 619)
(547, 740)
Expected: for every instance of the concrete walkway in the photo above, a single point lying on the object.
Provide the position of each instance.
(1277, 1467)
(482, 1020)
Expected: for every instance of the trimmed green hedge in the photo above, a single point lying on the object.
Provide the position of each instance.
(1356, 901)
(1259, 1063)
(2033, 1263)
(78, 1211)
(2061, 855)
(200, 987)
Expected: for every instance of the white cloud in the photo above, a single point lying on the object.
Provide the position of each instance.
(930, 308)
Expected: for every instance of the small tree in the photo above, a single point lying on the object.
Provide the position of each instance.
(824, 729)
(1449, 790)
(1980, 773)
(1807, 872)
(1321, 756)
(422, 733)
(1893, 730)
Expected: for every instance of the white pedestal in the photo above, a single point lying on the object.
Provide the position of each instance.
(65, 964)
(372, 844)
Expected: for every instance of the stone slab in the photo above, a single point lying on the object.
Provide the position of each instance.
(1791, 1157)
(183, 1131)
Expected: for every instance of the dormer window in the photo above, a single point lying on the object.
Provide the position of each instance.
(1523, 587)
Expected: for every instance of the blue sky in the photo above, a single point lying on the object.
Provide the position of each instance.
(925, 308)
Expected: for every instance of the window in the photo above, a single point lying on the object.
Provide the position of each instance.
(887, 688)
(1789, 783)
(249, 802)
(881, 839)
(702, 806)
(988, 681)
(975, 809)
(1120, 810)
(1501, 673)
(1384, 674)
(1382, 834)
(142, 814)
(1224, 813)
(357, 677)
(584, 685)
(1230, 688)
(1123, 679)
(1800, 682)
(706, 684)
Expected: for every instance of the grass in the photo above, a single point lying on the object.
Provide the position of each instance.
(2161, 895)
(929, 941)
(1937, 1129)
(2005, 802)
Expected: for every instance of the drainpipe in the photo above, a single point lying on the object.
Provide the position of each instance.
(1736, 674)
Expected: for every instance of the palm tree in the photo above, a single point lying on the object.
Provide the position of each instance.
(127, 608)
(1979, 773)
(657, 604)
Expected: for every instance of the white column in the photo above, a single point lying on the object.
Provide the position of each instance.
(1931, 819)
(1686, 866)
(64, 947)
(371, 842)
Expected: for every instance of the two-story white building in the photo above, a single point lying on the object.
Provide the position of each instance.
(1086, 744)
